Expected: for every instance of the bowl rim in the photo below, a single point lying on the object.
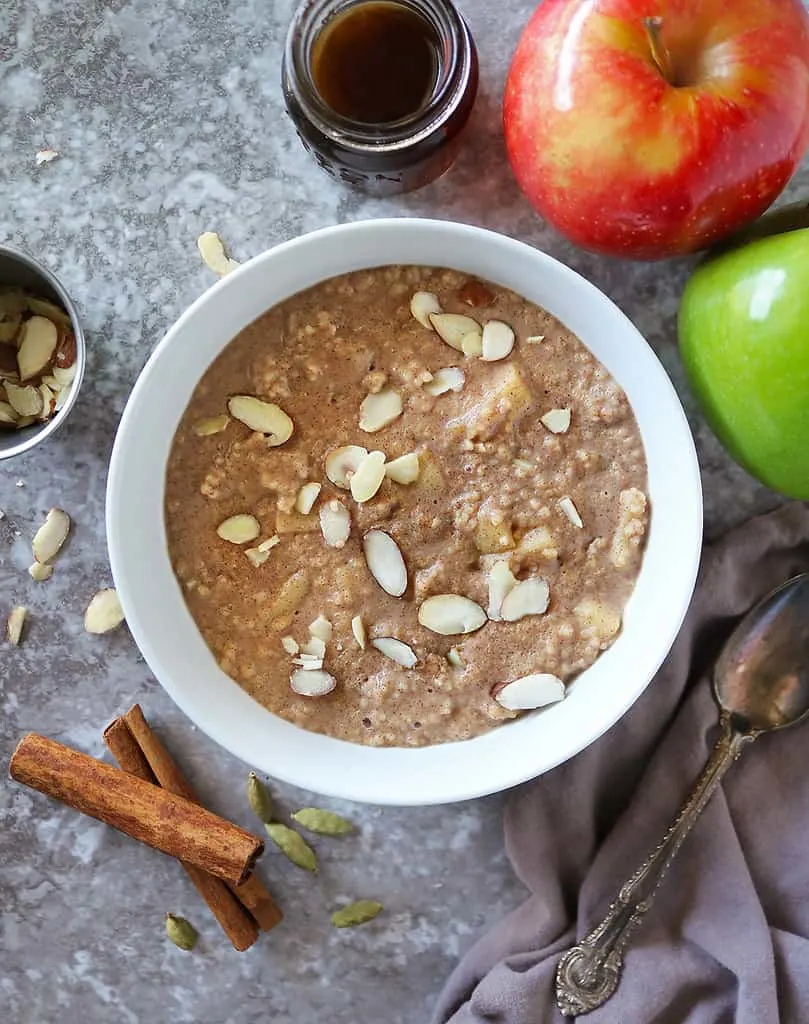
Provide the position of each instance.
(332, 781)
(55, 422)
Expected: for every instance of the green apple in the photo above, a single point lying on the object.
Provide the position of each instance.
(744, 340)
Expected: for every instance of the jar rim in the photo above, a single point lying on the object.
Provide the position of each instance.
(309, 19)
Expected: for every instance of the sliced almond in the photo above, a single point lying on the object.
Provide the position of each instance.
(40, 572)
(321, 628)
(307, 496)
(315, 647)
(453, 327)
(8, 415)
(16, 622)
(451, 378)
(239, 529)
(385, 562)
(37, 344)
(451, 614)
(498, 341)
(52, 382)
(535, 339)
(377, 411)
(570, 510)
(104, 612)
(210, 425)
(369, 476)
(290, 644)
(557, 420)
(50, 537)
(48, 402)
(257, 558)
(342, 463)
(404, 470)
(269, 543)
(213, 254)
(308, 664)
(398, 651)
(472, 344)
(528, 597)
(501, 581)
(423, 305)
(25, 400)
(529, 692)
(454, 658)
(316, 683)
(335, 523)
(265, 417)
(358, 630)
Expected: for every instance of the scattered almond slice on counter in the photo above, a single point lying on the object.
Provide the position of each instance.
(422, 306)
(36, 346)
(398, 651)
(452, 328)
(210, 425)
(405, 469)
(212, 250)
(40, 572)
(529, 692)
(335, 523)
(501, 581)
(342, 463)
(104, 612)
(307, 496)
(451, 614)
(239, 529)
(472, 344)
(290, 644)
(454, 658)
(16, 623)
(264, 417)
(451, 378)
(369, 476)
(570, 510)
(497, 341)
(358, 630)
(385, 562)
(527, 597)
(321, 628)
(26, 400)
(50, 537)
(377, 411)
(557, 420)
(314, 683)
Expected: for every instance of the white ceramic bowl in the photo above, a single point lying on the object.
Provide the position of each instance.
(175, 651)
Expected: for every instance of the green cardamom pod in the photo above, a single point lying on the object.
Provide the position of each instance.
(325, 822)
(258, 796)
(355, 913)
(293, 845)
(180, 932)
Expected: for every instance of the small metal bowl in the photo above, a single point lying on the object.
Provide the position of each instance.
(19, 270)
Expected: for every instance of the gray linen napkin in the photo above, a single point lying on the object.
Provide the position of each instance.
(727, 939)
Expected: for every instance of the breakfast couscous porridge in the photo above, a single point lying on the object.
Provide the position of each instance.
(405, 506)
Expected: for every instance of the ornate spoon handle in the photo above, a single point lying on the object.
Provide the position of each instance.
(588, 974)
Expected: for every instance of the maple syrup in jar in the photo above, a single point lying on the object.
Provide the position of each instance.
(379, 90)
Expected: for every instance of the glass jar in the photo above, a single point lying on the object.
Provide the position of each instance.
(393, 156)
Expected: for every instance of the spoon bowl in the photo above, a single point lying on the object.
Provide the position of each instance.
(762, 676)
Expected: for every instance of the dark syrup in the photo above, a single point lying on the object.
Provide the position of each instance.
(376, 63)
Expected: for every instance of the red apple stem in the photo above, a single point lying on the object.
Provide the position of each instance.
(660, 53)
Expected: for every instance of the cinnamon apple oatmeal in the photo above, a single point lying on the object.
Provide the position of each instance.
(405, 506)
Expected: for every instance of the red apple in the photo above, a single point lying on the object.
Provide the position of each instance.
(647, 128)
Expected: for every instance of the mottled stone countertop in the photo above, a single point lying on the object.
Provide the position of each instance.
(168, 121)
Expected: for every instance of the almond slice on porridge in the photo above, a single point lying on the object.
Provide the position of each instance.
(423, 305)
(263, 417)
(335, 523)
(342, 463)
(379, 410)
(385, 562)
(404, 470)
(397, 650)
(452, 328)
(529, 692)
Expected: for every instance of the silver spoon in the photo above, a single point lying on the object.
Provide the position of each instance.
(761, 682)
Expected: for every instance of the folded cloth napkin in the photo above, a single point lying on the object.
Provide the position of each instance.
(727, 939)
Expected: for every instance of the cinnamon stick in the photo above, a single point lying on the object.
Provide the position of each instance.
(143, 811)
(252, 893)
(234, 920)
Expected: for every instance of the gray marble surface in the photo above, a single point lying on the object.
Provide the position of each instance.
(168, 121)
